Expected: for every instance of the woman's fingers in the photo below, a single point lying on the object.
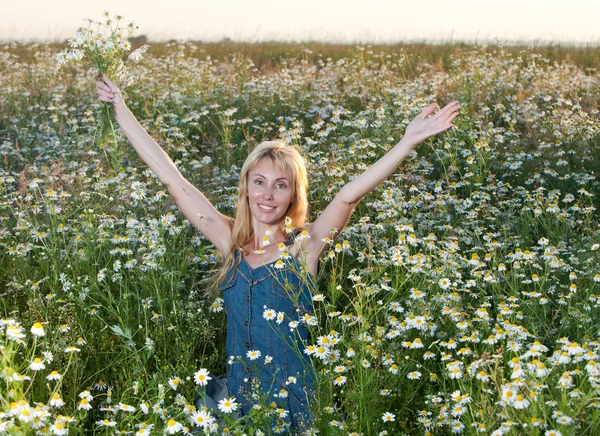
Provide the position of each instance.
(450, 114)
(106, 89)
(111, 85)
(107, 99)
(102, 85)
(448, 123)
(105, 95)
(429, 110)
(448, 109)
(451, 118)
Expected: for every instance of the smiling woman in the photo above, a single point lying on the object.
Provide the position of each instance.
(273, 184)
(269, 257)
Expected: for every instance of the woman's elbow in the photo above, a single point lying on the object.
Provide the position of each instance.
(348, 197)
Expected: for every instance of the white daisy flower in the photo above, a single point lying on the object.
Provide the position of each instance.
(201, 377)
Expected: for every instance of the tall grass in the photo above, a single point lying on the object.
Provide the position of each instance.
(462, 297)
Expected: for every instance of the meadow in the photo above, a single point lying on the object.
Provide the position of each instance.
(462, 298)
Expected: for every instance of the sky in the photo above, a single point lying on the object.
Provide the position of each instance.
(349, 21)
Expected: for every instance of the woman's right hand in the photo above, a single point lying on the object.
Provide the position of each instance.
(108, 91)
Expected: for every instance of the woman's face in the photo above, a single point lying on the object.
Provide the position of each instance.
(269, 192)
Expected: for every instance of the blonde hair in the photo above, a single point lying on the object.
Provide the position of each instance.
(289, 160)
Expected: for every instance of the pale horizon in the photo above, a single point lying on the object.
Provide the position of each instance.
(378, 21)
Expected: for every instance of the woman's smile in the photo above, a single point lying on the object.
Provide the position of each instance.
(265, 208)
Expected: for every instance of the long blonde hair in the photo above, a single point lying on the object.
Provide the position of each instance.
(289, 160)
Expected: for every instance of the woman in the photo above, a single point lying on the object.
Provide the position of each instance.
(261, 279)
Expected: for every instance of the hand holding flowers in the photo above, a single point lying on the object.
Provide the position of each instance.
(102, 45)
(109, 92)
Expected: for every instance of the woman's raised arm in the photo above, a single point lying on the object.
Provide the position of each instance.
(192, 203)
(337, 213)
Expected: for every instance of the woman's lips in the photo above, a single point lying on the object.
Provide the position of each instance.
(266, 208)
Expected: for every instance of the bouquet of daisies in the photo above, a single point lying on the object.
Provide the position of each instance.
(102, 45)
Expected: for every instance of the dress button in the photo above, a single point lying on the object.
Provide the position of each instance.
(246, 323)
(248, 345)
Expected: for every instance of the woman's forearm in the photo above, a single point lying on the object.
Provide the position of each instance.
(154, 156)
(425, 125)
(353, 191)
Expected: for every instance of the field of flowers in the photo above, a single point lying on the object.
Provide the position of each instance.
(463, 297)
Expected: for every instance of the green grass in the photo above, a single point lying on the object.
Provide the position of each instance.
(494, 223)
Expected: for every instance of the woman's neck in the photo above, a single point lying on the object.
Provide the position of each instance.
(265, 235)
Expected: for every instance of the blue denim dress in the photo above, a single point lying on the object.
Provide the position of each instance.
(288, 378)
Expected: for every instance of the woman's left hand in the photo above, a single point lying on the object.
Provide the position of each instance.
(427, 123)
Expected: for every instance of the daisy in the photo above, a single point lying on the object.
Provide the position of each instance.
(541, 370)
(520, 402)
(37, 364)
(415, 375)
(340, 380)
(253, 354)
(227, 405)
(445, 283)
(457, 427)
(282, 413)
(84, 404)
(56, 401)
(508, 395)
(458, 411)
(428, 355)
(310, 350)
(37, 329)
(417, 343)
(339, 369)
(483, 376)
(106, 423)
(321, 352)
(174, 382)
(303, 235)
(125, 407)
(279, 264)
(564, 420)
(59, 428)
(388, 417)
(201, 377)
(269, 314)
(201, 419)
(54, 375)
(217, 305)
(173, 427)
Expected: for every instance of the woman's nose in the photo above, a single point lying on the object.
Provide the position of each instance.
(268, 193)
